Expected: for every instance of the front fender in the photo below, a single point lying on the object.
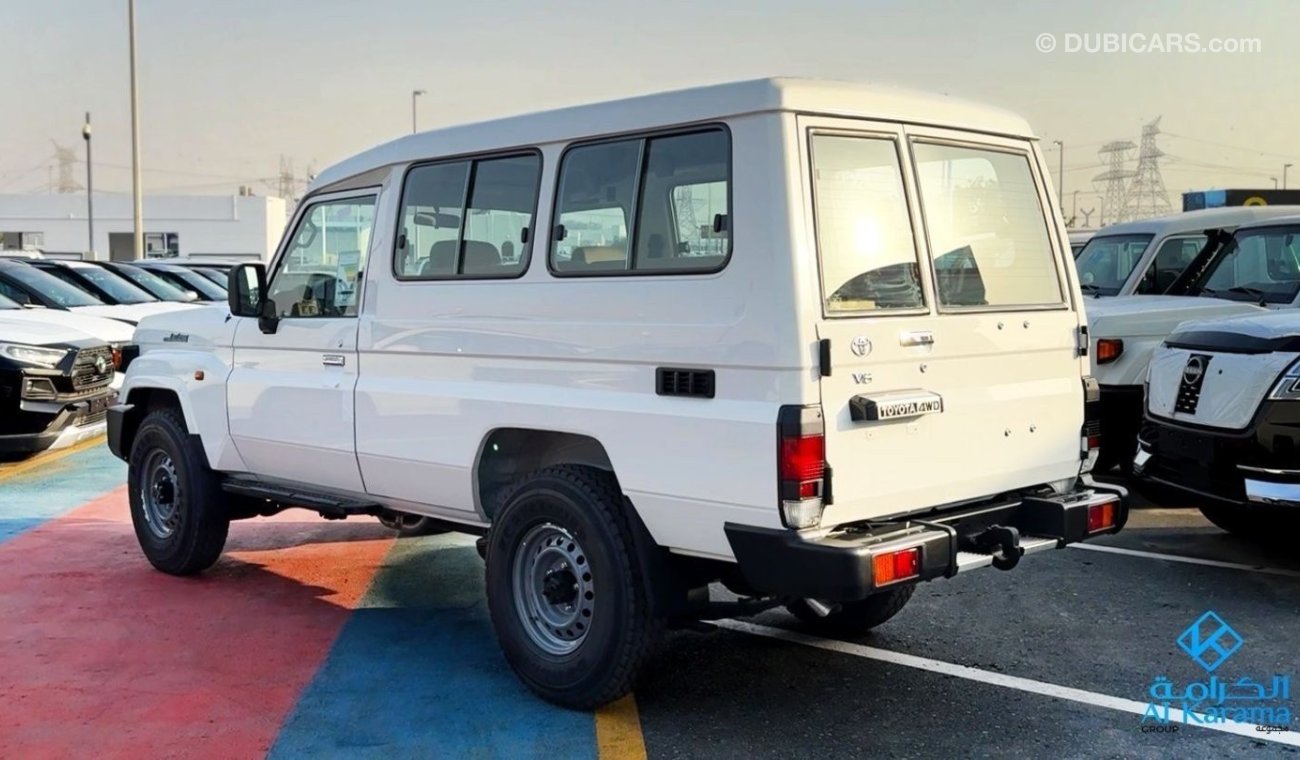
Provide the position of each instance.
(1131, 366)
(198, 382)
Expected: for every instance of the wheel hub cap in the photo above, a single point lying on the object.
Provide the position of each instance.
(553, 589)
(160, 495)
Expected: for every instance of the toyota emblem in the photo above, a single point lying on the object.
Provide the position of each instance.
(860, 346)
(1194, 370)
(101, 365)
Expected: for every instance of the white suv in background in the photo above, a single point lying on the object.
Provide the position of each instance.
(819, 342)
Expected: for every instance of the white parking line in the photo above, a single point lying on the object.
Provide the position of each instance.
(1189, 560)
(1290, 738)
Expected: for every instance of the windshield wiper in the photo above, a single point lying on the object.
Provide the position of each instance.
(1090, 288)
(1255, 292)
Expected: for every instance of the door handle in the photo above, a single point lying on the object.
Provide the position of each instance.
(334, 360)
(916, 338)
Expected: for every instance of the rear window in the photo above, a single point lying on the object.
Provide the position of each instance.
(1107, 261)
(987, 228)
(864, 233)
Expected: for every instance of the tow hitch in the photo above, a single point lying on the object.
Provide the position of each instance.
(1002, 543)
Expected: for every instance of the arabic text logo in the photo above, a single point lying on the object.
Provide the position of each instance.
(1210, 641)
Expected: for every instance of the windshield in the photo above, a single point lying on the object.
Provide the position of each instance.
(1260, 265)
(1106, 262)
(50, 289)
(117, 287)
(216, 275)
(150, 282)
(196, 282)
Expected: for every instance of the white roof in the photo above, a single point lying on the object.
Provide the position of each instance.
(1201, 219)
(1277, 220)
(666, 109)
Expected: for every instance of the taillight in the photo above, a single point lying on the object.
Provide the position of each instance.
(801, 465)
(895, 566)
(1109, 349)
(1101, 517)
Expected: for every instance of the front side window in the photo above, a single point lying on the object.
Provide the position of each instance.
(864, 233)
(1256, 265)
(1173, 256)
(655, 204)
(320, 272)
(468, 218)
(1106, 262)
(988, 231)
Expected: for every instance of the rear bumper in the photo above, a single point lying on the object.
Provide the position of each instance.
(836, 565)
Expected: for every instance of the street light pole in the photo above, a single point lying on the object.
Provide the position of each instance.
(414, 94)
(1284, 168)
(90, 190)
(136, 202)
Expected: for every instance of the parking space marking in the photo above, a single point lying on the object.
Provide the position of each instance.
(1042, 688)
(1189, 560)
(41, 460)
(618, 731)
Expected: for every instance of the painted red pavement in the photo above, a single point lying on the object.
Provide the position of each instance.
(100, 655)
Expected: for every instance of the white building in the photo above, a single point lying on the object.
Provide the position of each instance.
(189, 225)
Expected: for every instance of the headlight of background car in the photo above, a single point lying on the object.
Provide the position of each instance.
(1287, 387)
(34, 355)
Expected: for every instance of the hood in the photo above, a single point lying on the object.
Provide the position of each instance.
(194, 328)
(107, 330)
(1268, 327)
(133, 312)
(1132, 316)
(38, 334)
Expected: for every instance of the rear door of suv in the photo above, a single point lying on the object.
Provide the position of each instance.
(954, 343)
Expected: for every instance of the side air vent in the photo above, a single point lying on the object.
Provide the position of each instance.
(697, 383)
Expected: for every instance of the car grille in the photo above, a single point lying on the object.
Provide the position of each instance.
(86, 372)
(1195, 460)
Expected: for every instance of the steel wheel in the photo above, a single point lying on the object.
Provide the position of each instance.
(160, 494)
(553, 590)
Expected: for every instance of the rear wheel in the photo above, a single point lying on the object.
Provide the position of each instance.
(176, 502)
(568, 602)
(858, 617)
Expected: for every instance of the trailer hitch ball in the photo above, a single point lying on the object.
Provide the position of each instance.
(1003, 542)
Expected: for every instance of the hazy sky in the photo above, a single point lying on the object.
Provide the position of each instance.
(227, 86)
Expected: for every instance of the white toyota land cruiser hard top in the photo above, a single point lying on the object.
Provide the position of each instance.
(817, 342)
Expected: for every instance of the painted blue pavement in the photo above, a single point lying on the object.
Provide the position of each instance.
(31, 498)
(417, 672)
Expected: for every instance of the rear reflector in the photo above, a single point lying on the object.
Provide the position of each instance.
(893, 567)
(1109, 349)
(1101, 517)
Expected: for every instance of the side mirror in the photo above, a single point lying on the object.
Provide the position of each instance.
(190, 296)
(245, 289)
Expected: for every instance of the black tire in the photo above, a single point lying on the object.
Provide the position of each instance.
(196, 527)
(855, 618)
(620, 631)
(411, 525)
(1262, 524)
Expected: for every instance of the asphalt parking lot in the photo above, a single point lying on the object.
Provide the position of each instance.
(314, 638)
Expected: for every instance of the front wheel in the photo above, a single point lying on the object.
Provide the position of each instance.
(1263, 524)
(858, 617)
(568, 602)
(176, 501)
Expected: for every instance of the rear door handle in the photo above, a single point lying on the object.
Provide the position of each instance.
(334, 360)
(916, 338)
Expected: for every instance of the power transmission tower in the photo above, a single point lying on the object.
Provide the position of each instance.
(1114, 197)
(687, 226)
(287, 181)
(1147, 196)
(67, 160)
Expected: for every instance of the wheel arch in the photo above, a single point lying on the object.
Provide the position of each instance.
(507, 453)
(145, 398)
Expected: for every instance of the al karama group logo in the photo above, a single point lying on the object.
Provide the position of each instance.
(1263, 702)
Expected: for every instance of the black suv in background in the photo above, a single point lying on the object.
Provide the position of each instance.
(54, 387)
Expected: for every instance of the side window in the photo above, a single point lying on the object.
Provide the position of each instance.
(988, 232)
(320, 272)
(469, 219)
(14, 293)
(658, 204)
(1174, 255)
(864, 234)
